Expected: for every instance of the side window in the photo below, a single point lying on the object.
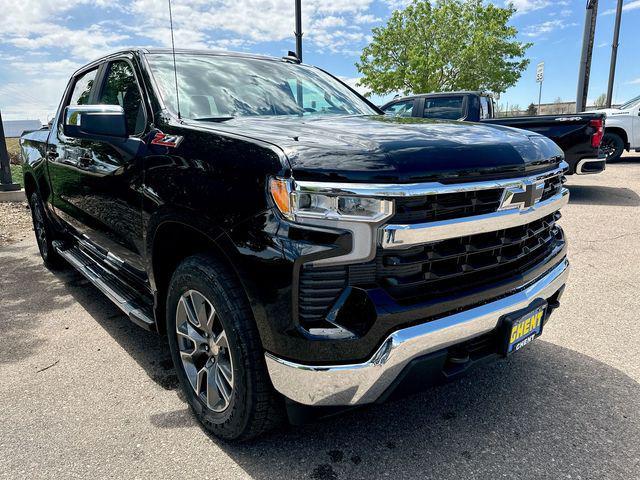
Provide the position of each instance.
(82, 88)
(400, 109)
(484, 108)
(121, 88)
(448, 108)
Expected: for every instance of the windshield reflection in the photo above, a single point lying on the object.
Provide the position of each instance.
(218, 86)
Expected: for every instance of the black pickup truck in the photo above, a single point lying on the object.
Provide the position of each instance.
(301, 251)
(579, 136)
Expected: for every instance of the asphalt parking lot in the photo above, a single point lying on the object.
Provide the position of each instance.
(86, 394)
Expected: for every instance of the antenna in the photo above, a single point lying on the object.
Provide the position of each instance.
(175, 69)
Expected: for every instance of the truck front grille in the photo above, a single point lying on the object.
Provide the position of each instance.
(447, 206)
(438, 269)
(452, 266)
(433, 270)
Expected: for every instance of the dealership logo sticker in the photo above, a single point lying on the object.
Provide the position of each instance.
(166, 140)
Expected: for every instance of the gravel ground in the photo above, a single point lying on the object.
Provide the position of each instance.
(15, 222)
(85, 393)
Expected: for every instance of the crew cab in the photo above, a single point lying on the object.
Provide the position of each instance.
(579, 136)
(622, 130)
(301, 251)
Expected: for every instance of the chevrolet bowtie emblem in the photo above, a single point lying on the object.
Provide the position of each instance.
(522, 196)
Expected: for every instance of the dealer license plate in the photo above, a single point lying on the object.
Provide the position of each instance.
(523, 330)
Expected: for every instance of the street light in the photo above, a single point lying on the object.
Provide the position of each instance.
(587, 51)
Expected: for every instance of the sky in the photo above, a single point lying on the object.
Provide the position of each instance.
(42, 42)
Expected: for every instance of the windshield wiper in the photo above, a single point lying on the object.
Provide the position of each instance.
(213, 119)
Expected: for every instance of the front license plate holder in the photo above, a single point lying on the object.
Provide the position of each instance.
(522, 327)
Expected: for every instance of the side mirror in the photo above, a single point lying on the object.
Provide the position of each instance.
(95, 121)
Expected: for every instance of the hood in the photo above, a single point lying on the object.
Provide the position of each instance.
(403, 150)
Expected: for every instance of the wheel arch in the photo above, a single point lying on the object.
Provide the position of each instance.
(621, 132)
(171, 242)
(30, 185)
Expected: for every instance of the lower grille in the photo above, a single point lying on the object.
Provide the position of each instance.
(320, 287)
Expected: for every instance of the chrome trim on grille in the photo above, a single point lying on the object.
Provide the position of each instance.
(365, 382)
(404, 236)
(419, 189)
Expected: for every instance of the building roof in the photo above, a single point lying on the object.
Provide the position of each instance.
(15, 128)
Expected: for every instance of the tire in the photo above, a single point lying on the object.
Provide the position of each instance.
(45, 234)
(613, 146)
(204, 291)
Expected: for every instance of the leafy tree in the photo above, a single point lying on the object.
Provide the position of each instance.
(601, 101)
(532, 110)
(450, 45)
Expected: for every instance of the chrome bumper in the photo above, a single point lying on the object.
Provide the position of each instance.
(363, 383)
(586, 161)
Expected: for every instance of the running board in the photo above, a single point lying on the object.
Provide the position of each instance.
(106, 283)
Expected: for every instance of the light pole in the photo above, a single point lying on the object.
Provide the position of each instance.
(614, 54)
(6, 183)
(587, 51)
(298, 32)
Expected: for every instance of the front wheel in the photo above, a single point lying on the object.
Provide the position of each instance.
(217, 352)
(612, 146)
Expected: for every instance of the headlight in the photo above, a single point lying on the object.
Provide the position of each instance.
(297, 204)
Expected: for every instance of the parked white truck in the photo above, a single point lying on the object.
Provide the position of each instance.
(622, 129)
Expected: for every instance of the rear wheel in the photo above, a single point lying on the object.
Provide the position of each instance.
(217, 351)
(44, 234)
(612, 146)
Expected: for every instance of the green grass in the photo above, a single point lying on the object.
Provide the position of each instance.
(13, 147)
(16, 174)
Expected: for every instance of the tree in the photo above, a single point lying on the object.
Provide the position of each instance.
(532, 110)
(601, 101)
(450, 45)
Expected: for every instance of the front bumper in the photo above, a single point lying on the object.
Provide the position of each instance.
(362, 383)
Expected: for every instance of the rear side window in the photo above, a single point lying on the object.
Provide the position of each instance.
(400, 109)
(448, 108)
(82, 88)
(121, 88)
(484, 108)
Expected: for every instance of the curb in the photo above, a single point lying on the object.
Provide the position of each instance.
(15, 196)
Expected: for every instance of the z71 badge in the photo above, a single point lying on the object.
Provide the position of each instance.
(166, 140)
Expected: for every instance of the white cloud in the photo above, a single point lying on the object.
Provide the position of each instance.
(43, 42)
(634, 82)
(549, 26)
(526, 6)
(632, 5)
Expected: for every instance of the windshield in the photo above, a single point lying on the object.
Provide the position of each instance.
(630, 103)
(213, 86)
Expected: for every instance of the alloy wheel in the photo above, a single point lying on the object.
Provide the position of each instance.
(204, 350)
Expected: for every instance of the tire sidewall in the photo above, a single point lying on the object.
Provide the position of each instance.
(48, 257)
(193, 274)
(619, 145)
